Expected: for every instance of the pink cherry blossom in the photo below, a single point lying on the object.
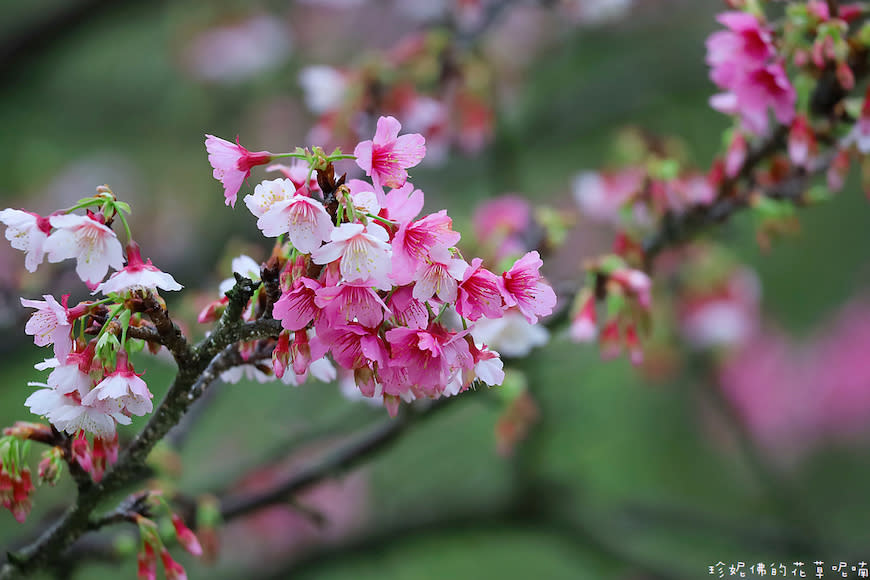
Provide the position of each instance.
(387, 157)
(744, 63)
(746, 45)
(351, 302)
(403, 204)
(124, 387)
(49, 324)
(94, 246)
(439, 276)
(407, 310)
(27, 232)
(429, 359)
(413, 243)
(523, 287)
(137, 275)
(364, 252)
(352, 345)
(296, 309)
(302, 218)
(232, 164)
(67, 413)
(478, 293)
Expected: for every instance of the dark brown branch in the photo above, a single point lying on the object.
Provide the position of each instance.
(196, 366)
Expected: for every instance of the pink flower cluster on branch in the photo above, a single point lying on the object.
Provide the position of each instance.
(384, 291)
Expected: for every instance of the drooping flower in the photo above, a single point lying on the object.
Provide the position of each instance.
(388, 156)
(297, 308)
(16, 486)
(351, 302)
(302, 218)
(49, 324)
(186, 537)
(488, 366)
(429, 359)
(232, 164)
(27, 232)
(746, 45)
(352, 345)
(439, 275)
(744, 63)
(67, 413)
(137, 275)
(94, 246)
(478, 293)
(124, 387)
(407, 310)
(523, 287)
(414, 242)
(364, 252)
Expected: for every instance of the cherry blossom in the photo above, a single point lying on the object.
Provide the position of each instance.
(232, 164)
(269, 192)
(137, 275)
(388, 156)
(478, 293)
(94, 246)
(439, 276)
(27, 232)
(49, 324)
(523, 287)
(302, 218)
(414, 242)
(364, 252)
(124, 387)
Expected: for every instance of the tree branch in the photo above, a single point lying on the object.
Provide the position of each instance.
(197, 367)
(338, 461)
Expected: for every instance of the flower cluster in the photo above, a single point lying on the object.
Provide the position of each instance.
(744, 62)
(91, 387)
(152, 547)
(625, 293)
(383, 290)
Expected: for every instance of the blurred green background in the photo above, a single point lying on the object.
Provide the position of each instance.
(621, 477)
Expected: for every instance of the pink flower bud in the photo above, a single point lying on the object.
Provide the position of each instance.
(632, 343)
(82, 453)
(735, 155)
(584, 327)
(172, 569)
(845, 76)
(609, 340)
(146, 561)
(186, 537)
